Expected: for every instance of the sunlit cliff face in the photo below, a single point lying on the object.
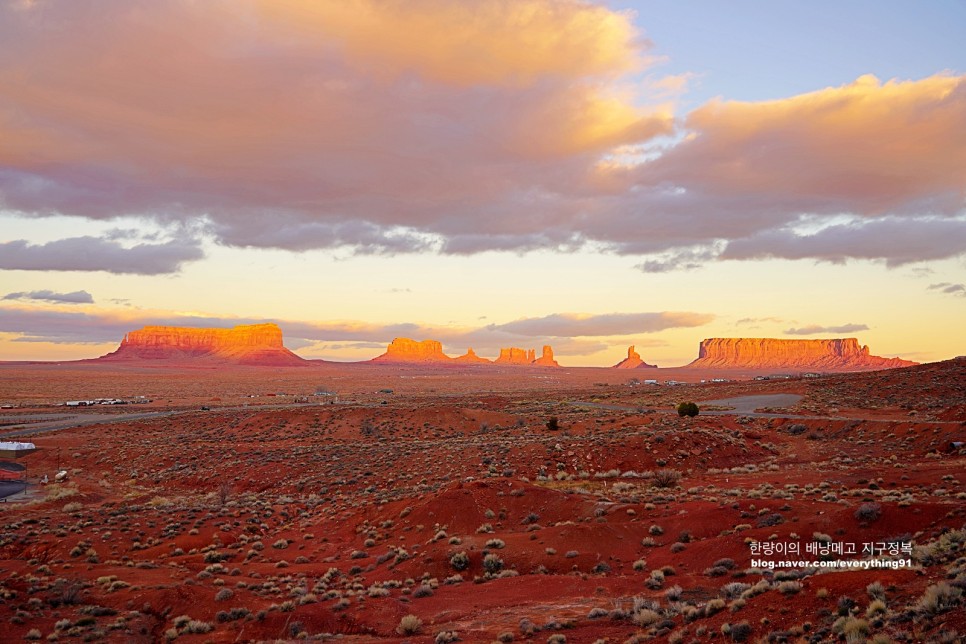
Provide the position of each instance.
(256, 344)
(757, 353)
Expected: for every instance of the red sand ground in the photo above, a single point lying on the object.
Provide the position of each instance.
(266, 519)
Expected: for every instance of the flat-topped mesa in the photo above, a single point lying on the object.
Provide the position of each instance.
(546, 359)
(251, 344)
(633, 361)
(470, 357)
(515, 356)
(406, 350)
(843, 354)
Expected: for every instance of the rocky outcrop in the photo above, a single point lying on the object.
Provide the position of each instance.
(769, 353)
(546, 359)
(515, 356)
(411, 351)
(251, 344)
(633, 361)
(470, 357)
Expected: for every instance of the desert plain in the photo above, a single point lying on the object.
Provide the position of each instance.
(386, 502)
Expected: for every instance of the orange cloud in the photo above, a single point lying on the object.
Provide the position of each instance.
(344, 121)
(458, 127)
(868, 147)
(466, 43)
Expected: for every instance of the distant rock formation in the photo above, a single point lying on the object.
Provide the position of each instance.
(406, 350)
(470, 357)
(251, 344)
(769, 353)
(546, 360)
(515, 356)
(633, 361)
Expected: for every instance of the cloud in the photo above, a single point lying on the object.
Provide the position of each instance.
(453, 127)
(897, 241)
(950, 288)
(577, 324)
(680, 260)
(467, 44)
(95, 254)
(815, 329)
(74, 297)
(384, 126)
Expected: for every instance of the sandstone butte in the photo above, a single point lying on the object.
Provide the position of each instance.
(546, 359)
(515, 356)
(404, 350)
(252, 344)
(633, 361)
(843, 354)
(470, 357)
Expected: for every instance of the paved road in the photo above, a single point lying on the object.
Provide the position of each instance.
(9, 488)
(66, 421)
(746, 405)
(742, 406)
(56, 422)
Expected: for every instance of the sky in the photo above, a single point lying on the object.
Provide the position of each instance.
(489, 173)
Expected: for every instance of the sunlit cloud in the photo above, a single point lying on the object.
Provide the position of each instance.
(450, 127)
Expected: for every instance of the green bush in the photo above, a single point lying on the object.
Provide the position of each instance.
(688, 409)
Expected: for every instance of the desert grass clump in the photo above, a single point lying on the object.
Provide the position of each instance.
(853, 629)
(845, 606)
(409, 625)
(939, 598)
(666, 478)
(875, 607)
(733, 590)
(714, 606)
(868, 512)
(875, 590)
(715, 571)
(645, 617)
(460, 561)
(423, 590)
(198, 627)
(656, 580)
(739, 632)
(789, 587)
(492, 563)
